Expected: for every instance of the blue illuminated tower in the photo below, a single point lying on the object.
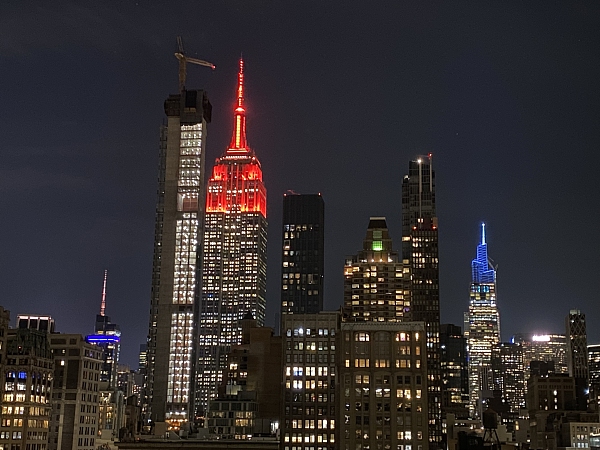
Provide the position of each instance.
(482, 326)
(481, 270)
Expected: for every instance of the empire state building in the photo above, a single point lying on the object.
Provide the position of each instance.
(234, 271)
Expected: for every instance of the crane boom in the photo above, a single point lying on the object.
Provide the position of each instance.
(183, 60)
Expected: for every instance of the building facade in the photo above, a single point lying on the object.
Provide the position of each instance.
(376, 282)
(252, 378)
(509, 375)
(303, 254)
(543, 347)
(75, 393)
(420, 251)
(454, 369)
(309, 411)
(235, 254)
(594, 368)
(175, 273)
(577, 355)
(482, 326)
(26, 390)
(383, 383)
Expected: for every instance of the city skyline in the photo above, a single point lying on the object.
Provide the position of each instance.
(83, 182)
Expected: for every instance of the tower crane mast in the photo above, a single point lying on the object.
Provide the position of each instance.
(183, 60)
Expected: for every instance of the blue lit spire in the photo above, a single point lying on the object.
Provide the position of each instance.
(481, 269)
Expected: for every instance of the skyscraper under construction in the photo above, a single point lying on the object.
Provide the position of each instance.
(178, 233)
(235, 253)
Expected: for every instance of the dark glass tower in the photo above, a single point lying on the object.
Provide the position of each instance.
(420, 252)
(577, 354)
(303, 256)
(455, 375)
(175, 271)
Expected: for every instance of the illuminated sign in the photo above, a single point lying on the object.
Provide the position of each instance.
(541, 338)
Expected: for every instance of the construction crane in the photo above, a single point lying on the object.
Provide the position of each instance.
(183, 60)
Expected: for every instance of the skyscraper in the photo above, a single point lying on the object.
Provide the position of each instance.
(577, 354)
(543, 347)
(453, 363)
(420, 252)
(594, 368)
(303, 257)
(178, 232)
(482, 325)
(509, 376)
(107, 336)
(376, 284)
(235, 253)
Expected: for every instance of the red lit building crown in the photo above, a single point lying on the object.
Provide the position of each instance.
(236, 183)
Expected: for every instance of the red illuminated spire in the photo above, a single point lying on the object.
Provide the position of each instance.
(238, 140)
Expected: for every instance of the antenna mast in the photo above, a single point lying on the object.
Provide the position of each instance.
(103, 304)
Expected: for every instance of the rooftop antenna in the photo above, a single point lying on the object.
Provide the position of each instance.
(183, 60)
(103, 304)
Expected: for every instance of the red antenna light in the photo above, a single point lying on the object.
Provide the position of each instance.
(238, 140)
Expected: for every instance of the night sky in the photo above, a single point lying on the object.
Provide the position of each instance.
(340, 96)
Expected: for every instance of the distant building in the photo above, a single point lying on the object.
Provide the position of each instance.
(309, 410)
(578, 355)
(234, 267)
(27, 386)
(383, 382)
(594, 368)
(74, 423)
(454, 369)
(509, 375)
(543, 347)
(376, 282)
(303, 254)
(420, 251)
(482, 326)
(547, 395)
(249, 397)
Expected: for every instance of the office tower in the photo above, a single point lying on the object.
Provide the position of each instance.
(383, 383)
(578, 355)
(234, 277)
(251, 386)
(420, 252)
(543, 347)
(178, 231)
(482, 325)
(454, 370)
(303, 258)
(75, 402)
(509, 376)
(376, 283)
(107, 336)
(309, 403)
(26, 389)
(594, 368)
